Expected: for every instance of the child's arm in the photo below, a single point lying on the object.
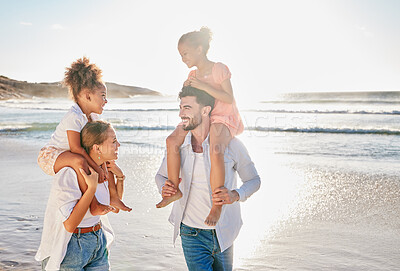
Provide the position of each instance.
(116, 190)
(74, 140)
(83, 204)
(119, 175)
(225, 95)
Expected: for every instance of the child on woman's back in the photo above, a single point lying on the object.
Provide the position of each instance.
(84, 81)
(213, 78)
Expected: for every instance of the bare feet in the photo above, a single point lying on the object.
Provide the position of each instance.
(119, 205)
(167, 200)
(213, 216)
(100, 209)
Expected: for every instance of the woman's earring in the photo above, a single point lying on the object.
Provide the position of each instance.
(99, 155)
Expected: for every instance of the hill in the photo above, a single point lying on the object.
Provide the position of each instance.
(14, 89)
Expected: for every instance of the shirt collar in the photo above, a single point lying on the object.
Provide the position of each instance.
(78, 109)
(188, 140)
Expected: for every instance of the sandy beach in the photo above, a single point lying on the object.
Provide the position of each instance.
(329, 199)
(141, 235)
(334, 221)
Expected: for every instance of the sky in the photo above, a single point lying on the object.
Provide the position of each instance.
(271, 47)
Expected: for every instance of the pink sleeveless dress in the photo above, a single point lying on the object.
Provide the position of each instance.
(224, 113)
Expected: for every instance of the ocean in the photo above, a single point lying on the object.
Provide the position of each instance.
(329, 200)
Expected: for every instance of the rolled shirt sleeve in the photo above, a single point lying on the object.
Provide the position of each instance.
(162, 174)
(68, 192)
(246, 170)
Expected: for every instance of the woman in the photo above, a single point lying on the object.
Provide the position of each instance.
(72, 238)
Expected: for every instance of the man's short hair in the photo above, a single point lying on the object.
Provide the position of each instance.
(202, 97)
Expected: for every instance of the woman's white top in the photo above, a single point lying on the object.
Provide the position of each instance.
(198, 205)
(74, 120)
(64, 195)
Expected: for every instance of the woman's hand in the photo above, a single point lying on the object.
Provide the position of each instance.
(92, 179)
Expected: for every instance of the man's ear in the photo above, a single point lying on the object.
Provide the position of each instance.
(206, 110)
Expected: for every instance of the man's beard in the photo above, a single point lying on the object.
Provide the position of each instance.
(193, 123)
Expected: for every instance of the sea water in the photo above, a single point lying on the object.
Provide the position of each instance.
(328, 162)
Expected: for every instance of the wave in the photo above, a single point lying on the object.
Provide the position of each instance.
(139, 128)
(57, 108)
(45, 127)
(363, 112)
(49, 127)
(360, 112)
(331, 101)
(144, 110)
(326, 130)
(31, 127)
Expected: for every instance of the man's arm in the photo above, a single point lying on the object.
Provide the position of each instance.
(165, 187)
(246, 170)
(162, 174)
(247, 173)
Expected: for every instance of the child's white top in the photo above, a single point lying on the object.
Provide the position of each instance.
(64, 195)
(74, 120)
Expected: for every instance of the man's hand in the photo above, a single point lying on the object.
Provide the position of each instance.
(169, 193)
(168, 189)
(223, 195)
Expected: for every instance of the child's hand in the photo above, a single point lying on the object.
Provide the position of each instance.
(91, 180)
(186, 83)
(105, 171)
(196, 83)
(100, 173)
(114, 168)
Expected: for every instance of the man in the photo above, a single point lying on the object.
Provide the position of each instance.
(206, 247)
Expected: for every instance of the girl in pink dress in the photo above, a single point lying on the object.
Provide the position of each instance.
(213, 78)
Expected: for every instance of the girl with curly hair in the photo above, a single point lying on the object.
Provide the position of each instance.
(87, 89)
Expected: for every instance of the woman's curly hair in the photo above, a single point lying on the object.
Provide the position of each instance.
(82, 75)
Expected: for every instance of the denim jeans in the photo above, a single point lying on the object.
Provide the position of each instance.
(85, 251)
(202, 251)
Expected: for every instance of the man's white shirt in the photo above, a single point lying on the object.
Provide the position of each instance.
(237, 160)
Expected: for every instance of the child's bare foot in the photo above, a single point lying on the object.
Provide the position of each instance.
(118, 204)
(116, 210)
(100, 209)
(213, 216)
(167, 200)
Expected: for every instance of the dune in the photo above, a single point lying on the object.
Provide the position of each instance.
(14, 89)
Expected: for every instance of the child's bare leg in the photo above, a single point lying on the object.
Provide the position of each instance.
(174, 141)
(115, 200)
(76, 161)
(219, 139)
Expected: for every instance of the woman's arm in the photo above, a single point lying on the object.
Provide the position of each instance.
(83, 204)
(225, 95)
(74, 140)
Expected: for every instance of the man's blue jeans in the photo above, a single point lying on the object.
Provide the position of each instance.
(202, 251)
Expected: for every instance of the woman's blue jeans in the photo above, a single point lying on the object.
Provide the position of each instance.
(85, 251)
(202, 251)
